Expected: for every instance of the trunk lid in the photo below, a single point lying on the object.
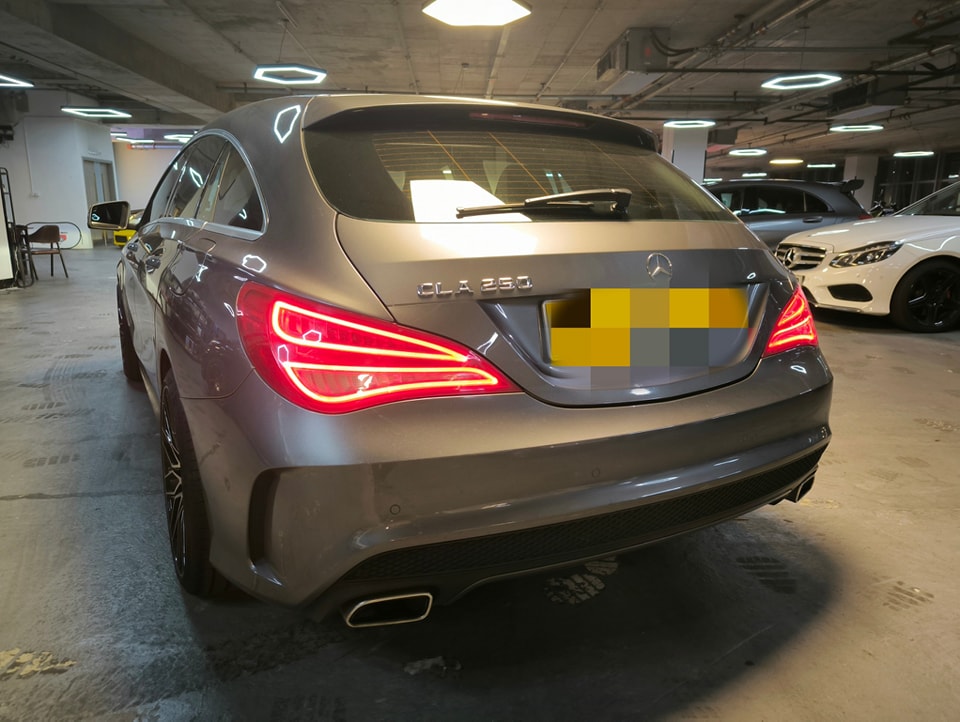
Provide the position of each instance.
(582, 313)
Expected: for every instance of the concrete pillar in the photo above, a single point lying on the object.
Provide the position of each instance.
(865, 167)
(686, 148)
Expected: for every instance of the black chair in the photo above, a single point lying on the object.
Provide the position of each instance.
(45, 241)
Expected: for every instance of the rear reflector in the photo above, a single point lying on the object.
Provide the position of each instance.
(333, 361)
(794, 327)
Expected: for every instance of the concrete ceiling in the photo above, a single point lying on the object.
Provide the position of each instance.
(183, 62)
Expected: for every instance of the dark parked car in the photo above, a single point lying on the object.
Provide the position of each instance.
(401, 346)
(773, 209)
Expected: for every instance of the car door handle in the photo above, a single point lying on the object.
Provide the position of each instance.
(813, 219)
(152, 263)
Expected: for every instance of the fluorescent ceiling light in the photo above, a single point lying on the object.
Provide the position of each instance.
(463, 13)
(117, 134)
(712, 180)
(8, 81)
(801, 82)
(141, 141)
(821, 165)
(786, 161)
(689, 124)
(179, 137)
(96, 112)
(746, 152)
(753, 174)
(869, 128)
(290, 74)
(913, 154)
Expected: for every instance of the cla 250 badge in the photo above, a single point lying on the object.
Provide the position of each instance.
(435, 289)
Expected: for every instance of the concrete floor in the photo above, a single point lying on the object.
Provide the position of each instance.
(845, 606)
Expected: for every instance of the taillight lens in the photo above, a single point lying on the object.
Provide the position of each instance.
(794, 327)
(333, 361)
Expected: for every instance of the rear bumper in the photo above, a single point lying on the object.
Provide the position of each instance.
(442, 495)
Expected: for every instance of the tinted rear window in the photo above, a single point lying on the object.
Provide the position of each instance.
(412, 164)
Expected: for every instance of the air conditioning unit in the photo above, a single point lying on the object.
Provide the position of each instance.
(876, 96)
(633, 61)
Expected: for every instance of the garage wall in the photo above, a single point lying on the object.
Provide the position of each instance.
(45, 161)
(139, 170)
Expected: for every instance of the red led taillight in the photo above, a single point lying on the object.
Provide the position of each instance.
(333, 361)
(794, 327)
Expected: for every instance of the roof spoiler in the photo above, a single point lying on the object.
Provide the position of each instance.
(849, 186)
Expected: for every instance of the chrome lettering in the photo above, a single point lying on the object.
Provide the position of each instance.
(464, 287)
(425, 290)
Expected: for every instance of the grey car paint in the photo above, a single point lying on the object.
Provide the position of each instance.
(310, 509)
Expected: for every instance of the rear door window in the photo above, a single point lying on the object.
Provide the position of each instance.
(196, 169)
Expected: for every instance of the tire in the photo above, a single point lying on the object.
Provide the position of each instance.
(131, 365)
(927, 299)
(186, 510)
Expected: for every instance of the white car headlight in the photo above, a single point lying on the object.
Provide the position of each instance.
(867, 254)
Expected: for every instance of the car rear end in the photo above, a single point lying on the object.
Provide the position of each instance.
(538, 387)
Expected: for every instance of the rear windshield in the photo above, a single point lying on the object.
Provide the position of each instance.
(422, 163)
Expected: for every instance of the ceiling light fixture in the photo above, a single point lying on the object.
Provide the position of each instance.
(290, 74)
(689, 124)
(95, 112)
(801, 82)
(913, 154)
(483, 13)
(868, 128)
(747, 152)
(786, 161)
(8, 81)
(712, 180)
(179, 137)
(821, 165)
(753, 174)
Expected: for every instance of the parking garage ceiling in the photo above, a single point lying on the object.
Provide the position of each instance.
(183, 62)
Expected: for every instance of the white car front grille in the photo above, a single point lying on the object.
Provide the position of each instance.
(800, 258)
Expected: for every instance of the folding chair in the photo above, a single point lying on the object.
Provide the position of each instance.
(45, 241)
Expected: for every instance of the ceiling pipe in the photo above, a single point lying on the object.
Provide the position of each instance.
(406, 47)
(573, 46)
(497, 59)
(699, 57)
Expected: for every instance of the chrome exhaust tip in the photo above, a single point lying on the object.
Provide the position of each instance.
(384, 611)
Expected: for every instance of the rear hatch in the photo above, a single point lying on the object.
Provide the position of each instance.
(583, 301)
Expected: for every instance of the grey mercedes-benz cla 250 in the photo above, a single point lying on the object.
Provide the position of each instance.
(402, 346)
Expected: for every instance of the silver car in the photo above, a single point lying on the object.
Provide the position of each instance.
(402, 346)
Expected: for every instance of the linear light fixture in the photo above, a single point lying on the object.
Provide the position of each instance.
(290, 74)
(867, 128)
(786, 161)
(476, 13)
(801, 81)
(747, 152)
(8, 81)
(95, 112)
(913, 154)
(821, 165)
(689, 124)
(178, 137)
(753, 174)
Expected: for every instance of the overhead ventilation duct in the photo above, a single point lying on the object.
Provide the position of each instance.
(633, 61)
(880, 95)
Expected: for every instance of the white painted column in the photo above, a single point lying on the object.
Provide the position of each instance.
(686, 148)
(865, 167)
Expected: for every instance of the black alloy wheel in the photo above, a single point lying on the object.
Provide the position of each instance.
(187, 524)
(927, 299)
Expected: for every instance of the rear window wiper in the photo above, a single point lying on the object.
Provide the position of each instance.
(601, 201)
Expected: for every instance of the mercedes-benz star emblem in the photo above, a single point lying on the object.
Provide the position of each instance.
(659, 265)
(791, 257)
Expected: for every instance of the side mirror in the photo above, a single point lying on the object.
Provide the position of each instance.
(109, 216)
